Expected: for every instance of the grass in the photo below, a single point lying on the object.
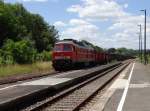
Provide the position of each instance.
(148, 57)
(22, 69)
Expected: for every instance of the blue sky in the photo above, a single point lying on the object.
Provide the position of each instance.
(106, 23)
(51, 10)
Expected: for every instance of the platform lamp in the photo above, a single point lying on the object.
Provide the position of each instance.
(145, 53)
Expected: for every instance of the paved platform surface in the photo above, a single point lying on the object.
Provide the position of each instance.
(17, 90)
(21, 90)
(132, 90)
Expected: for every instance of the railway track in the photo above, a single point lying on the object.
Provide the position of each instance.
(74, 97)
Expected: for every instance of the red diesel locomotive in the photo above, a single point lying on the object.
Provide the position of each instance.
(68, 53)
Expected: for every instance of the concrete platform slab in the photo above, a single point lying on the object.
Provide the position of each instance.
(138, 99)
(135, 95)
(46, 81)
(112, 103)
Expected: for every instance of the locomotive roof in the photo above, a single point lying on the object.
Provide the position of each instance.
(77, 43)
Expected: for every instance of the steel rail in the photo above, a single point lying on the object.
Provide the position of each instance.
(50, 101)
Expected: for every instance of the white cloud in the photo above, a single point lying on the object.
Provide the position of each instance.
(98, 9)
(126, 5)
(34, 0)
(128, 22)
(80, 29)
(59, 24)
(121, 33)
(74, 8)
(78, 22)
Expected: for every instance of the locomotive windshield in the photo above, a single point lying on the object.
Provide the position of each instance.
(67, 47)
(63, 47)
(58, 48)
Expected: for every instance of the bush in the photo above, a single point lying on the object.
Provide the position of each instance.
(19, 52)
(39, 57)
(8, 58)
(47, 56)
(24, 52)
(1, 60)
(44, 56)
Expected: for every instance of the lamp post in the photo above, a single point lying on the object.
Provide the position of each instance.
(140, 42)
(145, 54)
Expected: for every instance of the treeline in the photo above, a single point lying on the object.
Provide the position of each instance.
(120, 51)
(24, 37)
(95, 47)
(123, 51)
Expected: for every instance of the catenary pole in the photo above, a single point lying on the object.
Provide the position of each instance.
(145, 52)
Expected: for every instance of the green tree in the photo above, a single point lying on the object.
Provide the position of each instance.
(111, 50)
(24, 52)
(97, 48)
(122, 51)
(44, 35)
(19, 24)
(20, 52)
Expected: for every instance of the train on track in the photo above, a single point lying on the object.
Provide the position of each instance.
(69, 53)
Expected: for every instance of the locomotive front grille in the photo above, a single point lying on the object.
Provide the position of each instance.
(62, 63)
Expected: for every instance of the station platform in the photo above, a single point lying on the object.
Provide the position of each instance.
(131, 91)
(19, 94)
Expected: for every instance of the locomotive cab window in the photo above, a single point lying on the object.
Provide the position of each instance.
(67, 47)
(58, 48)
